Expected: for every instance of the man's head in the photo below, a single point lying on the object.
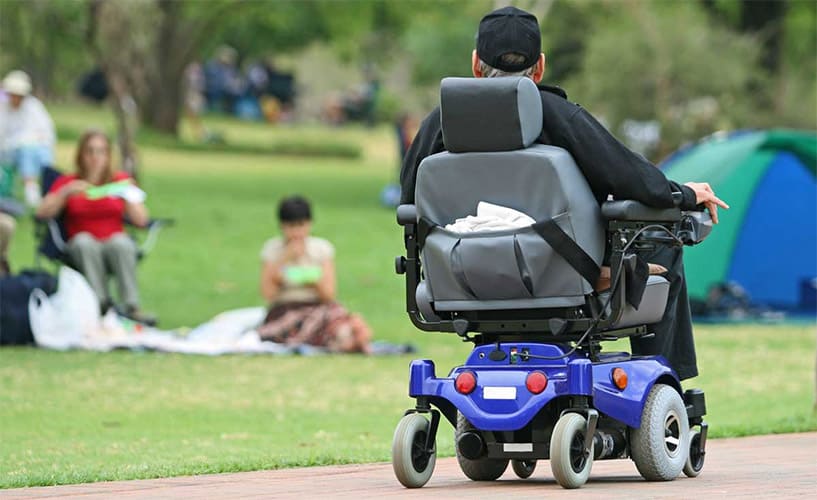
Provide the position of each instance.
(509, 43)
(17, 85)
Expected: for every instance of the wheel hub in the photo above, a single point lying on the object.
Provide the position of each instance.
(672, 434)
(578, 456)
(419, 455)
(695, 455)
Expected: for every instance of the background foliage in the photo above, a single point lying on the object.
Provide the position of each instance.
(695, 66)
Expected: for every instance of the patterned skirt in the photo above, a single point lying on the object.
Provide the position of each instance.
(321, 324)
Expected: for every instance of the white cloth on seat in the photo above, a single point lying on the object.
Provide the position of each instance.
(490, 217)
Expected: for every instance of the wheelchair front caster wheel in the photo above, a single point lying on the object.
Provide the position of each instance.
(568, 460)
(695, 460)
(411, 461)
(523, 468)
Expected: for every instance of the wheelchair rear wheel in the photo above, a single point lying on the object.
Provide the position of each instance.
(481, 469)
(661, 445)
(523, 468)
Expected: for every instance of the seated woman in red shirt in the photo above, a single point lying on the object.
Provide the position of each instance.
(97, 242)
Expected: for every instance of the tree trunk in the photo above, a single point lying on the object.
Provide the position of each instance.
(163, 112)
(162, 105)
(151, 67)
(124, 108)
(122, 101)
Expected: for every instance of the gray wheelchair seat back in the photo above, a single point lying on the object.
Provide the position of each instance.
(489, 128)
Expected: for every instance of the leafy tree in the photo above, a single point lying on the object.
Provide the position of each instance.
(45, 39)
(163, 37)
(666, 61)
(795, 94)
(786, 31)
(622, 59)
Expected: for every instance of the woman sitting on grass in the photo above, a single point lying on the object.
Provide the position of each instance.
(298, 283)
(93, 214)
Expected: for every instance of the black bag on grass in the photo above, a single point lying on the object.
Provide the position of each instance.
(15, 328)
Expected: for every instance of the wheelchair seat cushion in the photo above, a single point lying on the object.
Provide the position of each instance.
(540, 181)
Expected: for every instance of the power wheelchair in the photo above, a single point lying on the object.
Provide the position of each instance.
(537, 384)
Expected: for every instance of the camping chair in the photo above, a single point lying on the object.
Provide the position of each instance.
(51, 236)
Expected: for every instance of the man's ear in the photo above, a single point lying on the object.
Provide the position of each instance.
(475, 64)
(539, 71)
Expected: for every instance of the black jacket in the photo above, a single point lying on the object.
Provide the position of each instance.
(609, 167)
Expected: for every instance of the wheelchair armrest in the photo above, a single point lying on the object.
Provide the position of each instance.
(695, 227)
(406, 214)
(629, 210)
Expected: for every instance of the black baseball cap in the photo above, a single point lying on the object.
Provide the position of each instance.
(509, 30)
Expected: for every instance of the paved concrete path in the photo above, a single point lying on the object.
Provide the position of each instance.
(780, 466)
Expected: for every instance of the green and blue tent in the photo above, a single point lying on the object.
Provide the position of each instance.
(767, 240)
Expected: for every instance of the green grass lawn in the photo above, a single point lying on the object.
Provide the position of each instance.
(78, 416)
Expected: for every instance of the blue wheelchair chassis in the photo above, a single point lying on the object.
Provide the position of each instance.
(579, 384)
(570, 377)
(514, 423)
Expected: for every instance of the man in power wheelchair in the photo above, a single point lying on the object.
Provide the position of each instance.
(537, 384)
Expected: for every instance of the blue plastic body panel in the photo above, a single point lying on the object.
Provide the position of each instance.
(502, 402)
(627, 405)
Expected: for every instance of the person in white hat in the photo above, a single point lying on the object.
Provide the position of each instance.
(27, 134)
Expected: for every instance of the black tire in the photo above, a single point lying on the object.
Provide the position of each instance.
(523, 468)
(568, 461)
(695, 460)
(482, 469)
(661, 445)
(412, 465)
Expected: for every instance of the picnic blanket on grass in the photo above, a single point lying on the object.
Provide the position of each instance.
(69, 319)
(231, 332)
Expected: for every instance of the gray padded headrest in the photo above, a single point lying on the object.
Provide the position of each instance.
(489, 114)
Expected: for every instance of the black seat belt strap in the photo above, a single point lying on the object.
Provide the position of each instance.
(424, 226)
(570, 251)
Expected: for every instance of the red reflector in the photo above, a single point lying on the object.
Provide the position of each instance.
(465, 383)
(619, 377)
(536, 382)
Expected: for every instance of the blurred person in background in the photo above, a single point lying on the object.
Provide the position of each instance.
(223, 83)
(278, 100)
(94, 222)
(27, 136)
(194, 100)
(299, 285)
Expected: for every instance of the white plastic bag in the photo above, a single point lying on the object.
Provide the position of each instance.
(63, 320)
